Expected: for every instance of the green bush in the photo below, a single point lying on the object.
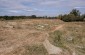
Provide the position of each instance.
(74, 15)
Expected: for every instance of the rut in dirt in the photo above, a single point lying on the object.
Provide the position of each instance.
(51, 49)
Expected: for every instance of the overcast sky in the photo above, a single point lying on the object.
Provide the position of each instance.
(40, 7)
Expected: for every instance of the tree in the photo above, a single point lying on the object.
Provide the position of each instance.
(66, 18)
(74, 15)
(6, 17)
(83, 17)
(33, 16)
(60, 17)
(75, 12)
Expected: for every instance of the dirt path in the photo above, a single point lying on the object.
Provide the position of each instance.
(57, 28)
(51, 49)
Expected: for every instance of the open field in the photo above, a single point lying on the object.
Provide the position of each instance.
(26, 37)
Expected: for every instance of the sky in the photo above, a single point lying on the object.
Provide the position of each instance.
(40, 7)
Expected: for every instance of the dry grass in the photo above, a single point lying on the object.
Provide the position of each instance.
(71, 37)
(25, 37)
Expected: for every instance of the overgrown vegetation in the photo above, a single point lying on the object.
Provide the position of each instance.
(74, 15)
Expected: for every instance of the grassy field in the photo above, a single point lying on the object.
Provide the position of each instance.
(25, 37)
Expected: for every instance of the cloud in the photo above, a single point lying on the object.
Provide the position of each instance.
(14, 11)
(38, 6)
(18, 4)
(13, 4)
(52, 2)
(79, 7)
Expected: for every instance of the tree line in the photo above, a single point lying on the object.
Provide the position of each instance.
(16, 17)
(74, 15)
(24, 17)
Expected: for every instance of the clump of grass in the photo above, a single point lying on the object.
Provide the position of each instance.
(56, 38)
(35, 50)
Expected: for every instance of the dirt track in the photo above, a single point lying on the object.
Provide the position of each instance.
(51, 49)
